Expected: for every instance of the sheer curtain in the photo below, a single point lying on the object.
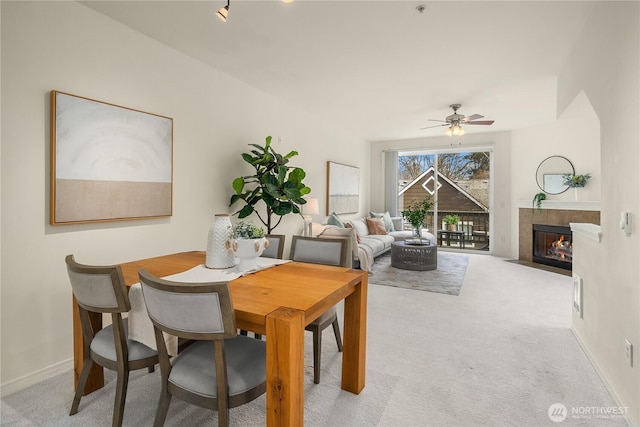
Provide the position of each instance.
(391, 182)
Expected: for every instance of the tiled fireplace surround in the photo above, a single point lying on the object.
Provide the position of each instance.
(561, 214)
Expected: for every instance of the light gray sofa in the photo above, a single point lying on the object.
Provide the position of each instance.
(370, 246)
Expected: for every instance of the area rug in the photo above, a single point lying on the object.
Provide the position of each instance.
(446, 279)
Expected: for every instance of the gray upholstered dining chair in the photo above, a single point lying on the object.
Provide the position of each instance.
(276, 246)
(221, 369)
(275, 250)
(101, 289)
(329, 251)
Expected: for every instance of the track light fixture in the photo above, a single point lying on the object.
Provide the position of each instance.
(223, 12)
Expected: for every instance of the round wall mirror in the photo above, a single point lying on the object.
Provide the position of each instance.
(549, 174)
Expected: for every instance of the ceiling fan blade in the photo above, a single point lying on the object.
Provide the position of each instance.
(435, 126)
(473, 117)
(480, 122)
(436, 120)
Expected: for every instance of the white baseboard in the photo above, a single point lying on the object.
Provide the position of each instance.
(600, 372)
(41, 375)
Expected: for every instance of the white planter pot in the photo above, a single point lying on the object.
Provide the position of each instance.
(248, 251)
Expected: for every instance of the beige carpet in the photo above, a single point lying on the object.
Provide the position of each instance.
(499, 354)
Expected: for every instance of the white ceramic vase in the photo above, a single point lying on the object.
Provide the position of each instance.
(219, 251)
(248, 251)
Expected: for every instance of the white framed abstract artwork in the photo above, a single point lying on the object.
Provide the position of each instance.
(343, 188)
(108, 163)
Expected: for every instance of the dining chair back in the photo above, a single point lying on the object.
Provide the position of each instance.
(101, 289)
(276, 246)
(319, 250)
(329, 251)
(221, 369)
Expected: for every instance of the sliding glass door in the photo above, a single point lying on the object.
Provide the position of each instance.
(459, 184)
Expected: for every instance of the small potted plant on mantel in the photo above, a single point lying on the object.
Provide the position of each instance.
(452, 222)
(248, 244)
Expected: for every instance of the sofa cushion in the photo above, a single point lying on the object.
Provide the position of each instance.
(334, 219)
(375, 226)
(361, 227)
(386, 218)
(377, 246)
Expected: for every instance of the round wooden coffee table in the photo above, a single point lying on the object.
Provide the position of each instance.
(414, 257)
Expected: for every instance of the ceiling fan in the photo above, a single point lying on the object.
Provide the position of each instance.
(455, 121)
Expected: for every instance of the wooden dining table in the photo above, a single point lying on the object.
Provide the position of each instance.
(277, 302)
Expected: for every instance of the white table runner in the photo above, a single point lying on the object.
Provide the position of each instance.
(140, 326)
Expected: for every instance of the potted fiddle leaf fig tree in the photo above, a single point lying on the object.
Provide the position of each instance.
(274, 182)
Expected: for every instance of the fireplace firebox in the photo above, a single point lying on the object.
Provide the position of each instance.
(552, 245)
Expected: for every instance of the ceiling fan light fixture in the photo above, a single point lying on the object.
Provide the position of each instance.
(223, 12)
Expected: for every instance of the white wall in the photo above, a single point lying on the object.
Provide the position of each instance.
(68, 47)
(576, 136)
(605, 64)
(499, 142)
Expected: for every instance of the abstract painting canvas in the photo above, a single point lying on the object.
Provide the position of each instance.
(343, 188)
(108, 162)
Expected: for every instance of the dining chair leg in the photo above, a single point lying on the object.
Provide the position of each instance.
(82, 382)
(336, 332)
(317, 351)
(121, 396)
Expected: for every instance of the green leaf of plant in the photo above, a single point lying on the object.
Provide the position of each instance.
(297, 175)
(291, 154)
(259, 147)
(305, 190)
(245, 211)
(282, 174)
(248, 158)
(282, 209)
(238, 185)
(268, 142)
(292, 193)
(234, 199)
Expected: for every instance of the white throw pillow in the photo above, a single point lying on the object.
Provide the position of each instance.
(360, 226)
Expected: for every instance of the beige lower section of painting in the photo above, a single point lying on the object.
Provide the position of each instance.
(86, 200)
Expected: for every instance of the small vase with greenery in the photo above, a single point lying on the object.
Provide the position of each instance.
(274, 182)
(415, 214)
(452, 222)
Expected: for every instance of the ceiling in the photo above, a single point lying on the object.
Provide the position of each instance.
(379, 69)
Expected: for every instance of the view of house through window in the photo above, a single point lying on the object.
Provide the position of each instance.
(458, 184)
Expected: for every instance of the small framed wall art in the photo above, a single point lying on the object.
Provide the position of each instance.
(108, 163)
(343, 188)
